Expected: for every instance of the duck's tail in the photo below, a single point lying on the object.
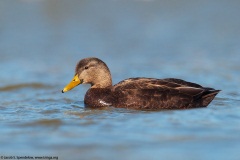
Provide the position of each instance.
(208, 96)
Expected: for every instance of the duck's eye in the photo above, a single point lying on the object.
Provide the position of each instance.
(86, 67)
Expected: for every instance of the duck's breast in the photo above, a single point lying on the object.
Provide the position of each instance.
(98, 97)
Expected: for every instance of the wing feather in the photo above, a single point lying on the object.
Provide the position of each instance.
(152, 83)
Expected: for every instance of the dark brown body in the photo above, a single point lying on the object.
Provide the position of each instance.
(137, 93)
(151, 94)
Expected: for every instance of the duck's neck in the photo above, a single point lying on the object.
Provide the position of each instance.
(102, 81)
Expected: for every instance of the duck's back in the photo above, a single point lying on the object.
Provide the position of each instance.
(149, 93)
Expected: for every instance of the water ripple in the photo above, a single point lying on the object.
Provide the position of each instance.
(24, 85)
(45, 122)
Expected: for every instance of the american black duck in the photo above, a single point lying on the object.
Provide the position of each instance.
(137, 93)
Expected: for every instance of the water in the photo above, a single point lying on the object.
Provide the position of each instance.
(41, 41)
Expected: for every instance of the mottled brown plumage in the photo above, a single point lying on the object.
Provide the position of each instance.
(138, 93)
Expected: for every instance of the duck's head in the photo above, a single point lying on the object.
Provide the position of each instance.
(90, 71)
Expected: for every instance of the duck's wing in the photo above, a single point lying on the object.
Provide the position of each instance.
(161, 85)
(182, 82)
(152, 83)
(168, 93)
(143, 83)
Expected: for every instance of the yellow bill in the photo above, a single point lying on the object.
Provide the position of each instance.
(75, 81)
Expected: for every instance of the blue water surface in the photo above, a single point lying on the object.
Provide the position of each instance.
(41, 42)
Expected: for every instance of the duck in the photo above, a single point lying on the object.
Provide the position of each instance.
(136, 93)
